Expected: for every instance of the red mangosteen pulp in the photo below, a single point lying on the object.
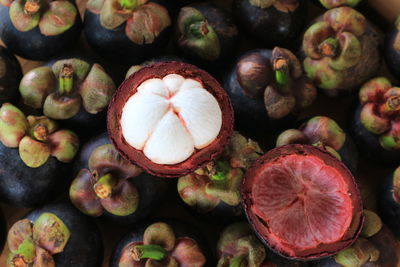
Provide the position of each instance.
(302, 202)
(170, 118)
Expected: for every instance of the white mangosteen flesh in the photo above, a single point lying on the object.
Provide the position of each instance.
(170, 118)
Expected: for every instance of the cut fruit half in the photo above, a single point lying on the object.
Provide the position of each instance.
(170, 118)
(302, 202)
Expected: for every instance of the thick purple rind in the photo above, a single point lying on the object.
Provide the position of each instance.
(258, 225)
(199, 157)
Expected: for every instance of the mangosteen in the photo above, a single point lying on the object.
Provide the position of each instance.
(324, 133)
(161, 244)
(34, 157)
(302, 202)
(55, 235)
(392, 49)
(341, 51)
(214, 189)
(73, 90)
(10, 75)
(273, 23)
(376, 123)
(206, 35)
(39, 30)
(108, 185)
(188, 121)
(127, 31)
(389, 201)
(376, 247)
(267, 86)
(329, 4)
(2, 230)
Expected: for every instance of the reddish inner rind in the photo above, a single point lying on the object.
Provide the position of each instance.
(160, 70)
(277, 188)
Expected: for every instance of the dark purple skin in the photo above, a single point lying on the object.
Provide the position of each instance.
(180, 229)
(85, 246)
(388, 207)
(2, 230)
(369, 144)
(27, 187)
(250, 114)
(151, 189)
(10, 81)
(392, 56)
(115, 45)
(33, 44)
(270, 26)
(222, 23)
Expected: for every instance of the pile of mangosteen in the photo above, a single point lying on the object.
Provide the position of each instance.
(191, 133)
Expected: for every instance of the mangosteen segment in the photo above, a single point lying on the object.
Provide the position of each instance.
(67, 85)
(189, 118)
(53, 17)
(36, 137)
(380, 111)
(105, 186)
(160, 247)
(238, 245)
(196, 34)
(302, 202)
(219, 181)
(34, 243)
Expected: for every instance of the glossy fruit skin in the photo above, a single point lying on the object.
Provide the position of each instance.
(33, 44)
(85, 246)
(10, 81)
(152, 189)
(180, 229)
(2, 230)
(388, 207)
(369, 143)
(115, 45)
(250, 113)
(23, 186)
(282, 28)
(392, 56)
(222, 23)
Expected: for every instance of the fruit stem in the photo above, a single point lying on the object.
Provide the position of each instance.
(129, 4)
(104, 186)
(222, 169)
(154, 252)
(40, 132)
(329, 47)
(238, 261)
(282, 73)
(31, 7)
(391, 105)
(198, 29)
(66, 79)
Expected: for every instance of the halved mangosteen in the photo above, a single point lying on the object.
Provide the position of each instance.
(170, 118)
(302, 202)
(10, 75)
(109, 186)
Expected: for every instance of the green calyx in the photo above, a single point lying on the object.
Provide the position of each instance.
(372, 224)
(361, 252)
(396, 185)
(129, 4)
(221, 172)
(29, 243)
(104, 186)
(291, 136)
(196, 35)
(262, 3)
(329, 47)
(238, 261)
(13, 125)
(329, 4)
(154, 252)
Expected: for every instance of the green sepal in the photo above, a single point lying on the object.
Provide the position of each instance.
(61, 108)
(350, 52)
(64, 145)
(59, 17)
(13, 125)
(160, 234)
(21, 21)
(372, 224)
(371, 121)
(33, 153)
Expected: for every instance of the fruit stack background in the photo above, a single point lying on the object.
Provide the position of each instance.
(369, 176)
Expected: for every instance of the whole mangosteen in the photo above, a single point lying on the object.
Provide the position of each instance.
(302, 202)
(161, 244)
(55, 235)
(340, 51)
(392, 49)
(376, 123)
(267, 86)
(189, 118)
(272, 22)
(127, 31)
(34, 157)
(324, 133)
(206, 35)
(73, 90)
(39, 30)
(10, 75)
(214, 189)
(108, 185)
